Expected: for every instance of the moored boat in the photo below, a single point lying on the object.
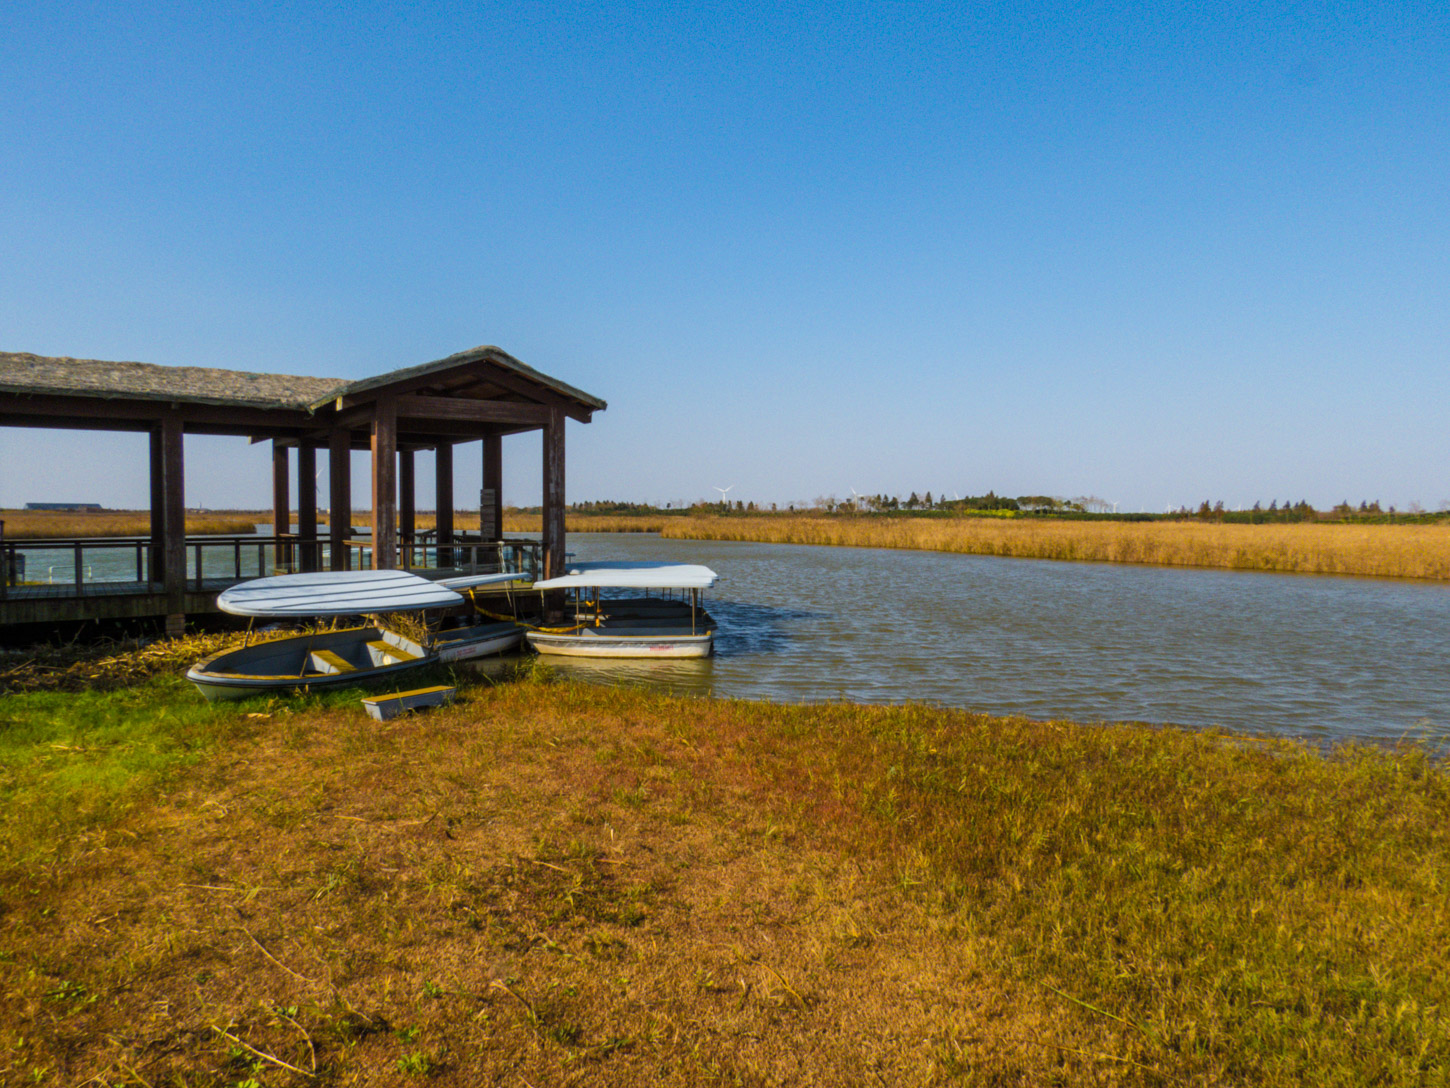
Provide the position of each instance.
(355, 655)
(636, 626)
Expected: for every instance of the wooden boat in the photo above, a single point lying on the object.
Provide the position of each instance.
(354, 655)
(635, 626)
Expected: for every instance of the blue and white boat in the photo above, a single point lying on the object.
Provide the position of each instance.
(353, 655)
(638, 625)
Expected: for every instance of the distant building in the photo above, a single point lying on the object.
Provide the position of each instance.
(72, 507)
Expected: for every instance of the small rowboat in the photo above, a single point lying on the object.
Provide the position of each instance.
(354, 655)
(638, 626)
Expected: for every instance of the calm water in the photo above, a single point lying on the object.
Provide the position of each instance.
(1319, 658)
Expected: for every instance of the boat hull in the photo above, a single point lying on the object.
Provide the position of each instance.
(359, 656)
(493, 638)
(288, 664)
(592, 644)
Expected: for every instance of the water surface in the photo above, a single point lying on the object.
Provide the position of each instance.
(1320, 658)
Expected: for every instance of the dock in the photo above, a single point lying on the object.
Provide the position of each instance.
(479, 395)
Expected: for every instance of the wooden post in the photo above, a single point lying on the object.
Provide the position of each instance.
(173, 491)
(490, 513)
(443, 504)
(339, 482)
(157, 551)
(385, 485)
(307, 507)
(553, 534)
(281, 504)
(407, 505)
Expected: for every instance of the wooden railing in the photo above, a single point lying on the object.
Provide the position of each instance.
(102, 564)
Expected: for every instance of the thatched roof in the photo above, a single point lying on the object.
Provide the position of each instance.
(23, 373)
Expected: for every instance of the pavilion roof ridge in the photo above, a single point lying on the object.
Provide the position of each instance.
(483, 353)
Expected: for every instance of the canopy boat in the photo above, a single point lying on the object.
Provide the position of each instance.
(637, 626)
(352, 655)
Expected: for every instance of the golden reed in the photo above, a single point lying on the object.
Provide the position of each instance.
(30, 524)
(1381, 551)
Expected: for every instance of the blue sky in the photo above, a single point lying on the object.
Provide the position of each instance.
(1152, 252)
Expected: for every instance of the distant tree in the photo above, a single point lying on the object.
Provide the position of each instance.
(927, 501)
(913, 502)
(1257, 507)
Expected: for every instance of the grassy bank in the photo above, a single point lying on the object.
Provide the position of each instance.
(550, 883)
(1386, 551)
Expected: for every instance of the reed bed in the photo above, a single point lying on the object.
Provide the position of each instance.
(1381, 551)
(32, 524)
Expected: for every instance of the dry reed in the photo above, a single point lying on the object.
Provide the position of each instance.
(1382, 551)
(35, 524)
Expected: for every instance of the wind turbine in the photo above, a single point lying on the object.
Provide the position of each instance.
(722, 491)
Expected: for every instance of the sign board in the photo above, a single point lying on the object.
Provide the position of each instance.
(488, 525)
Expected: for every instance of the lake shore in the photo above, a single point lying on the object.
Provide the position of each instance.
(564, 881)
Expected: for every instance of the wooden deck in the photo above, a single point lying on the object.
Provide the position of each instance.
(71, 591)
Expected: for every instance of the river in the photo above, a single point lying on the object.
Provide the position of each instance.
(1314, 657)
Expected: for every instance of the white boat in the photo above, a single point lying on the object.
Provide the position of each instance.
(354, 655)
(637, 626)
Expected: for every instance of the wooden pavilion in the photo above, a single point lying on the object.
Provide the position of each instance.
(480, 394)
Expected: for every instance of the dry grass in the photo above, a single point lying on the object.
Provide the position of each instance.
(558, 884)
(1385, 551)
(31, 524)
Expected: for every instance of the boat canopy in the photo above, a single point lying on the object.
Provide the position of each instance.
(336, 593)
(632, 576)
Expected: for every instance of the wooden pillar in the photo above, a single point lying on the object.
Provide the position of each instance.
(339, 482)
(385, 485)
(490, 502)
(281, 505)
(309, 553)
(157, 557)
(443, 502)
(407, 505)
(173, 501)
(554, 494)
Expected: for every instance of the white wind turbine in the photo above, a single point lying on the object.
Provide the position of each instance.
(722, 491)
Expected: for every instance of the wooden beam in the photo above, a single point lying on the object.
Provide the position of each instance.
(407, 503)
(553, 534)
(339, 482)
(173, 487)
(281, 504)
(158, 508)
(221, 419)
(514, 383)
(443, 501)
(385, 486)
(472, 411)
(490, 502)
(311, 557)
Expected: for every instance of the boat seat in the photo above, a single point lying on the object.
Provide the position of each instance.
(384, 707)
(385, 653)
(329, 662)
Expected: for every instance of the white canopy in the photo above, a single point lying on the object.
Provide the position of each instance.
(335, 593)
(632, 576)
